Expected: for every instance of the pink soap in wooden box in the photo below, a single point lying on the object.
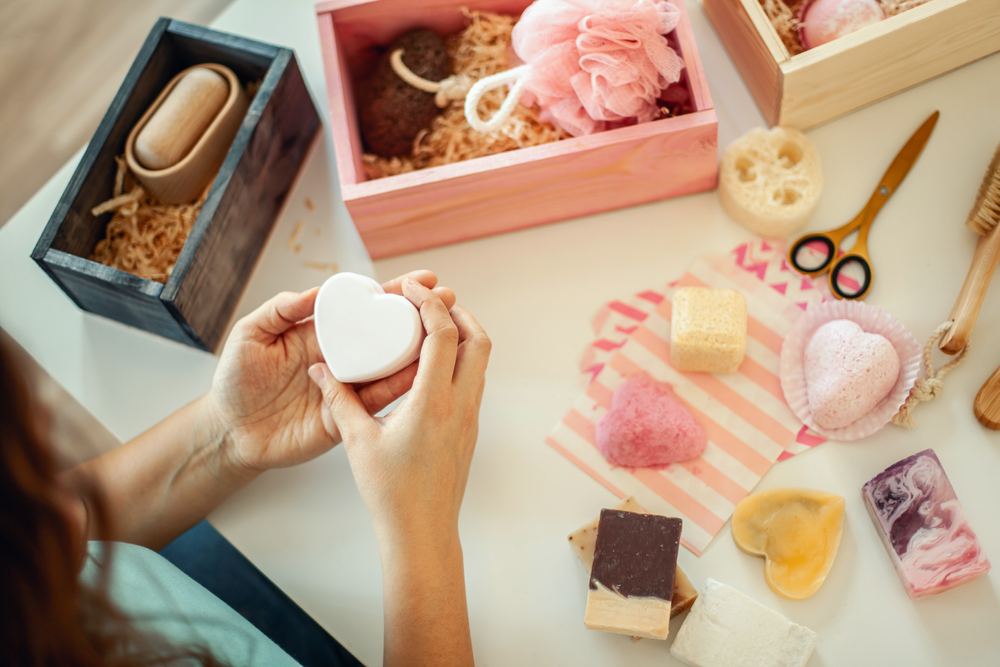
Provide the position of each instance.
(514, 190)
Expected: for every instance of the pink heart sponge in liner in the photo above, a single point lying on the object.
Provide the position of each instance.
(648, 427)
(847, 372)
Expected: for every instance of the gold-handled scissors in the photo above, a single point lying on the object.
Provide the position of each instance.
(813, 246)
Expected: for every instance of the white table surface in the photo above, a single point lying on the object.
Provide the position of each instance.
(535, 292)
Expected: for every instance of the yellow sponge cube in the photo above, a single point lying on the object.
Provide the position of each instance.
(708, 330)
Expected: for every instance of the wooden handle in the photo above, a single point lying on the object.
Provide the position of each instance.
(987, 403)
(181, 119)
(970, 299)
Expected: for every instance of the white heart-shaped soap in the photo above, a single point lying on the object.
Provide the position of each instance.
(364, 333)
(848, 372)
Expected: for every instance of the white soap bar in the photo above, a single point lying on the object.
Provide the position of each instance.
(727, 629)
(364, 333)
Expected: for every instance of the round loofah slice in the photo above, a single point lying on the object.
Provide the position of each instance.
(770, 181)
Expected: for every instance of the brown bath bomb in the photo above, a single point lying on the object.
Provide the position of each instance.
(392, 111)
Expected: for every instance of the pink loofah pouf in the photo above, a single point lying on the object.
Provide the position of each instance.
(597, 64)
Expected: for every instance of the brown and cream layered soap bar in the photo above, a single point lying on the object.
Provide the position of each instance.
(584, 539)
(632, 579)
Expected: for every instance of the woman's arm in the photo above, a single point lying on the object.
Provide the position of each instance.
(262, 412)
(411, 468)
(164, 481)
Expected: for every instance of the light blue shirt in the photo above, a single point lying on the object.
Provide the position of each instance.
(160, 598)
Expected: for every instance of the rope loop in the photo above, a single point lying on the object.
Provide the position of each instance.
(445, 91)
(461, 85)
(931, 386)
(514, 76)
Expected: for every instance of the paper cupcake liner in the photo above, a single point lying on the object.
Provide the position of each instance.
(871, 320)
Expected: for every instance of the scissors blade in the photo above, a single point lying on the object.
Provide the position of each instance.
(900, 167)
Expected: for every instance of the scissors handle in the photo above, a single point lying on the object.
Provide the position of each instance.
(860, 258)
(831, 251)
(832, 239)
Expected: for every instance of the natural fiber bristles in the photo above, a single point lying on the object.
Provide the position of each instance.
(784, 17)
(985, 213)
(479, 51)
(144, 237)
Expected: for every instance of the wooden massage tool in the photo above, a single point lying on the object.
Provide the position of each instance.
(953, 335)
(983, 219)
(179, 144)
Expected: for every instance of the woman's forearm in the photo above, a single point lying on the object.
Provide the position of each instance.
(165, 480)
(426, 616)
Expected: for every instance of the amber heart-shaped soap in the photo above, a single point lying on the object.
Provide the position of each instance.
(796, 531)
(847, 372)
(648, 427)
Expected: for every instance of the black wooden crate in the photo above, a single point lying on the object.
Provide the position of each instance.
(196, 303)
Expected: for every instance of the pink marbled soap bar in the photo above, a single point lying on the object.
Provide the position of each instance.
(923, 526)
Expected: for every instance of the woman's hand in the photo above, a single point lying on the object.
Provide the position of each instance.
(411, 468)
(261, 396)
(262, 412)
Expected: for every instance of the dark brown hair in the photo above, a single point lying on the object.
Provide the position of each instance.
(47, 616)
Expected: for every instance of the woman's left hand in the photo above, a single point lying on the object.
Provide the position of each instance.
(262, 397)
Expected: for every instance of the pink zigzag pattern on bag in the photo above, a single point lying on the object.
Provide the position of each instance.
(607, 345)
(651, 296)
(594, 371)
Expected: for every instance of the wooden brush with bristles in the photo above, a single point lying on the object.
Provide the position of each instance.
(983, 219)
(986, 211)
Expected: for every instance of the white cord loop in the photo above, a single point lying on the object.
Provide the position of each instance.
(460, 85)
(483, 86)
(452, 88)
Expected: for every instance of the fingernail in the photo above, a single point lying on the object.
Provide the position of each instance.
(317, 372)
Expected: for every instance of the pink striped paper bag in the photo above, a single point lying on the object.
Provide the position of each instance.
(765, 260)
(744, 413)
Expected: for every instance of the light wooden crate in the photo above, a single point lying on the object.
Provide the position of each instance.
(514, 190)
(875, 62)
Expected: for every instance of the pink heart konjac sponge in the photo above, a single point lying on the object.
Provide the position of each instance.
(847, 372)
(648, 427)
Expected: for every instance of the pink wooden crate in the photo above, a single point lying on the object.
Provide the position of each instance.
(514, 190)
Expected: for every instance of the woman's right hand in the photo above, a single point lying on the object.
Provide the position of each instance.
(411, 468)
